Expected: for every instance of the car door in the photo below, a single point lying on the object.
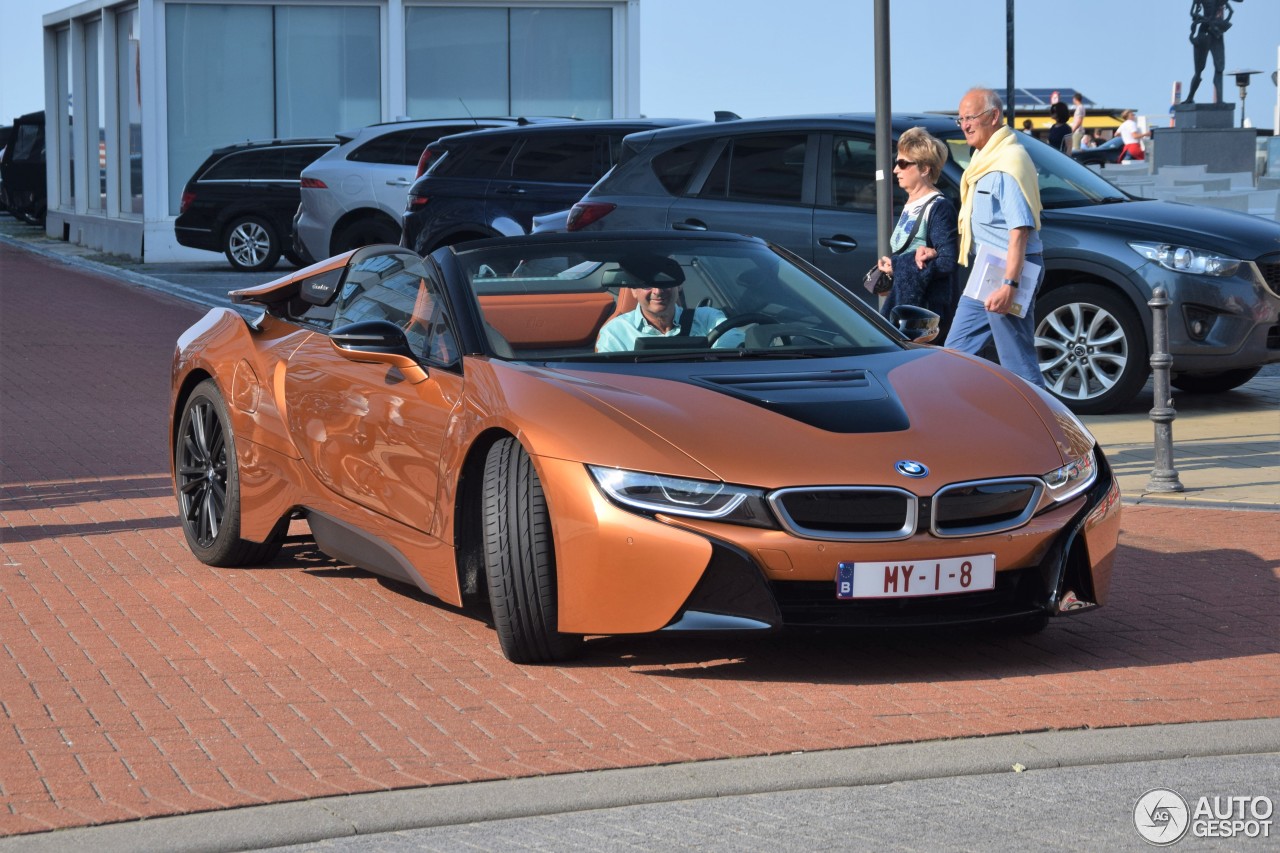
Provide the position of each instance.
(758, 184)
(367, 432)
(549, 171)
(844, 222)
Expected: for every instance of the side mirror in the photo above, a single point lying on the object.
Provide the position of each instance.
(919, 325)
(377, 342)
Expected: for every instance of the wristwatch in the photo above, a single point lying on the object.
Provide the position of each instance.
(1012, 282)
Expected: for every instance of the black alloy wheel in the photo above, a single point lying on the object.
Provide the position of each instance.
(207, 482)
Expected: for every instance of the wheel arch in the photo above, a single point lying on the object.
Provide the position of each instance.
(359, 215)
(460, 235)
(468, 525)
(189, 382)
(1062, 272)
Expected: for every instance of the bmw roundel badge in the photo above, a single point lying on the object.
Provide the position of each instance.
(911, 468)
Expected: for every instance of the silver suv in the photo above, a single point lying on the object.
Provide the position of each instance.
(807, 183)
(354, 195)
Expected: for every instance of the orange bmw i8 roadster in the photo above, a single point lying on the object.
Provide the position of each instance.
(628, 433)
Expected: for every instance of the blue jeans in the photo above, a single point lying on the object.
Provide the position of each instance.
(974, 327)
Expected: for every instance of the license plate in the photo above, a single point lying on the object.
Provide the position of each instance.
(947, 576)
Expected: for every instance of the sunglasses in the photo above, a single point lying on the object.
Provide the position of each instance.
(902, 164)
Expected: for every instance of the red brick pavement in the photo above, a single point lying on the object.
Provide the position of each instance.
(137, 682)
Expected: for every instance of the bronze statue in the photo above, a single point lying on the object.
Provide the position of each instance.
(1209, 20)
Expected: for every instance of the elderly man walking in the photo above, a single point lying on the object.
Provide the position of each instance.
(999, 209)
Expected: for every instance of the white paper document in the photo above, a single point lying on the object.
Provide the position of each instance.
(988, 275)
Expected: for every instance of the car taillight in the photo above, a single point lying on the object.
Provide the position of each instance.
(417, 202)
(584, 213)
(187, 198)
(424, 162)
(313, 184)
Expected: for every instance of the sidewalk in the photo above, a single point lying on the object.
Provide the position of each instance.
(178, 706)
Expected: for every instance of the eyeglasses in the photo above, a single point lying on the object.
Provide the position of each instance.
(902, 164)
(961, 121)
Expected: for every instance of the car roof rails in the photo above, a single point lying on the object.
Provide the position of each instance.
(727, 115)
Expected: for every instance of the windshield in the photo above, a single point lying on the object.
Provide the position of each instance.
(660, 299)
(1063, 181)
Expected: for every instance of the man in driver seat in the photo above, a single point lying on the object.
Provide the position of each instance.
(655, 284)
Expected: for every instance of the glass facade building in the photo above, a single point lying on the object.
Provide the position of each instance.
(138, 92)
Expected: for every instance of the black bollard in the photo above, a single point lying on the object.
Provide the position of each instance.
(1164, 478)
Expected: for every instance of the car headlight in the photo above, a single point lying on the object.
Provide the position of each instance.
(1073, 478)
(1187, 259)
(654, 493)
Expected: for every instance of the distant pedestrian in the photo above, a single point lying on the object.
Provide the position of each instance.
(1077, 122)
(1060, 132)
(999, 209)
(1132, 137)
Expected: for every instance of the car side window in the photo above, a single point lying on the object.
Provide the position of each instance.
(675, 168)
(759, 168)
(384, 287)
(853, 173)
(559, 158)
(294, 160)
(474, 159)
(245, 166)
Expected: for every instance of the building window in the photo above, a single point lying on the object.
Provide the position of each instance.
(93, 117)
(509, 61)
(256, 72)
(129, 115)
(63, 128)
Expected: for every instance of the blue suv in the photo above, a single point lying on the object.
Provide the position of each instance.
(807, 183)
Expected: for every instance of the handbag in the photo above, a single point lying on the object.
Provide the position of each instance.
(879, 283)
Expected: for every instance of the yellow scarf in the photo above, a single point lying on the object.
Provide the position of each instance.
(1002, 153)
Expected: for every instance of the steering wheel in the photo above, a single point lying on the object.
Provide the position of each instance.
(734, 322)
(763, 335)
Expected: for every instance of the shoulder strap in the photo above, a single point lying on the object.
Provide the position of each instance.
(915, 226)
(686, 322)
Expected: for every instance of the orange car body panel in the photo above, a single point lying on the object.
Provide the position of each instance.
(357, 442)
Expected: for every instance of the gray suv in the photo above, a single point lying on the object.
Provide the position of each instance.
(807, 183)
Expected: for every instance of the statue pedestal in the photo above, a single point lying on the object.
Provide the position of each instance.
(1204, 116)
(1202, 135)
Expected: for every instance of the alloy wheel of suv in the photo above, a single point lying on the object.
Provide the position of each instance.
(1091, 347)
(251, 245)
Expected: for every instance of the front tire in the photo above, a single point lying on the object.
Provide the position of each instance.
(1091, 347)
(520, 559)
(207, 482)
(251, 244)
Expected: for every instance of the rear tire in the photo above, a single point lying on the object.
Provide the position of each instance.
(364, 232)
(1212, 383)
(1091, 347)
(207, 482)
(251, 244)
(520, 560)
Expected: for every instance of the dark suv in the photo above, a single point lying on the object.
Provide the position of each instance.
(808, 183)
(491, 183)
(242, 199)
(22, 178)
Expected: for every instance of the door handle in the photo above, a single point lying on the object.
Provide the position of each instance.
(689, 225)
(400, 182)
(839, 243)
(514, 189)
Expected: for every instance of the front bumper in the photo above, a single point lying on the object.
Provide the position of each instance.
(1073, 575)
(1240, 315)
